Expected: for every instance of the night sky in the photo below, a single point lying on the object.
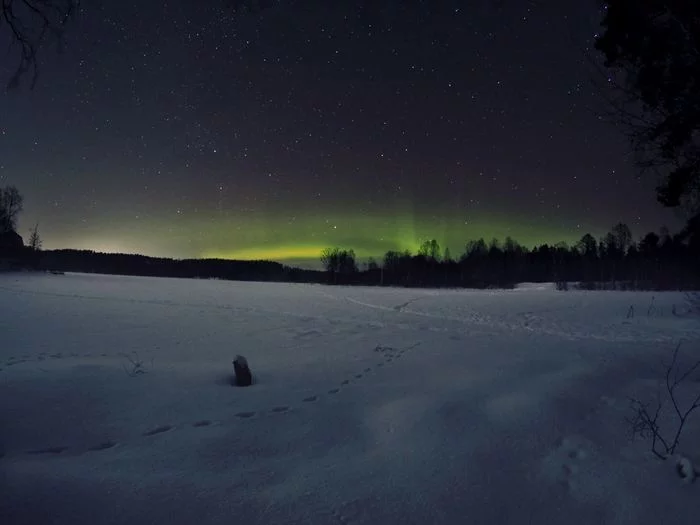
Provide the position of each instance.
(185, 129)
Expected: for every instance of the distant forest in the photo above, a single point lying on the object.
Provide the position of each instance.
(88, 261)
(615, 261)
(657, 262)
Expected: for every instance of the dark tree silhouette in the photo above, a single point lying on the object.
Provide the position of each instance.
(587, 246)
(347, 262)
(330, 259)
(430, 250)
(30, 25)
(649, 245)
(447, 256)
(652, 52)
(340, 264)
(35, 241)
(691, 234)
(11, 204)
(622, 237)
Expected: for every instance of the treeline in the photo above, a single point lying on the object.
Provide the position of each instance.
(656, 262)
(88, 261)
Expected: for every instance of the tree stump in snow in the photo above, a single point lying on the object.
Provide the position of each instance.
(244, 377)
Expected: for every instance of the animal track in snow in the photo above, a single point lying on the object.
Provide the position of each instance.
(307, 333)
(564, 463)
(158, 430)
(389, 355)
(245, 415)
(103, 446)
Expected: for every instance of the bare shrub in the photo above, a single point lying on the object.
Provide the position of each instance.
(646, 419)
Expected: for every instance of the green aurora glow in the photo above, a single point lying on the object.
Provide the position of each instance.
(300, 240)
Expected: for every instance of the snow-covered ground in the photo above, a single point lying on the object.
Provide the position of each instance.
(371, 406)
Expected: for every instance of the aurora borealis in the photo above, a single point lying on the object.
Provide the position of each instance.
(185, 129)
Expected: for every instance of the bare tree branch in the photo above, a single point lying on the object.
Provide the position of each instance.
(31, 24)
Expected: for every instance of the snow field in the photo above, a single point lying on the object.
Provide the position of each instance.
(370, 405)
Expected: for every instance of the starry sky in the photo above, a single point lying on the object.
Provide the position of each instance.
(183, 128)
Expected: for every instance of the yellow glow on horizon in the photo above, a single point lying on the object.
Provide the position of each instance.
(289, 253)
(271, 253)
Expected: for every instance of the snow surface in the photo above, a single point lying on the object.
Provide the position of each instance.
(381, 406)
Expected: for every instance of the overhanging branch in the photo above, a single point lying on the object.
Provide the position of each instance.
(30, 24)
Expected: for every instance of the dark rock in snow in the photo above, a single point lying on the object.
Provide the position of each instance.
(244, 377)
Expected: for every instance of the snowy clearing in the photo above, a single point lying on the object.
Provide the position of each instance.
(371, 406)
